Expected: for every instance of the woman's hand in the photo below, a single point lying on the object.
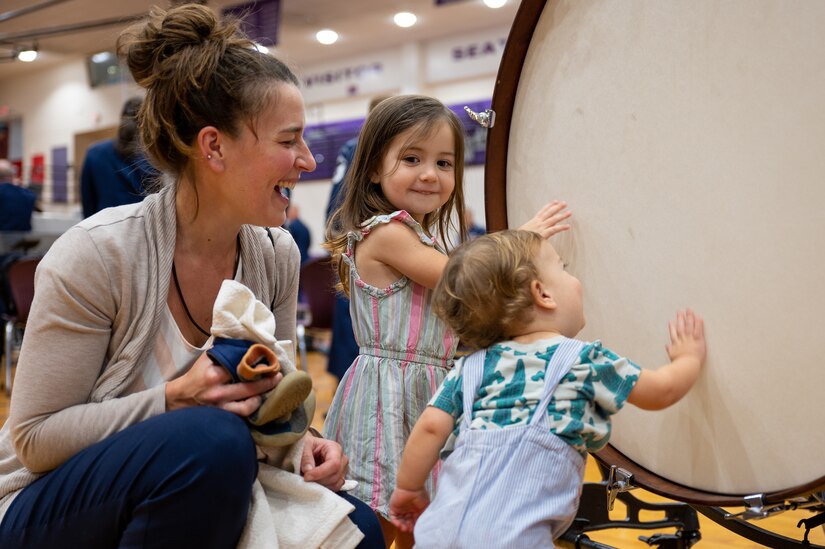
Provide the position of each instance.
(207, 384)
(324, 462)
(546, 221)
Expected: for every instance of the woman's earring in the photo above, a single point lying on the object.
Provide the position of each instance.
(209, 157)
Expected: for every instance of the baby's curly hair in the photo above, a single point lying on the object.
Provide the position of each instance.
(484, 293)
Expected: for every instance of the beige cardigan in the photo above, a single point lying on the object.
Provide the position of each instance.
(99, 294)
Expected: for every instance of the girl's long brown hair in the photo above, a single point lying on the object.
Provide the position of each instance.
(363, 199)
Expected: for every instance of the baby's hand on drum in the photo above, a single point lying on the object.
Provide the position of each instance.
(687, 336)
(546, 221)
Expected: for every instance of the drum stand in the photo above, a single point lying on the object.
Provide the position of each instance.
(594, 514)
(594, 509)
(766, 537)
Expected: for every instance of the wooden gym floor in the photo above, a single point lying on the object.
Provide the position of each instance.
(713, 535)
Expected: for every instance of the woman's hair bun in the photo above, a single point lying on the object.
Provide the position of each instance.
(166, 34)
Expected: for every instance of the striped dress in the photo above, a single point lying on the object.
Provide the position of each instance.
(405, 352)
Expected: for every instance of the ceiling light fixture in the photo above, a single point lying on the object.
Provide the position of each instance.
(495, 4)
(261, 48)
(405, 19)
(27, 56)
(326, 36)
(102, 57)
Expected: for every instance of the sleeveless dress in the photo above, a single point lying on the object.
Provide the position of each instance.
(405, 352)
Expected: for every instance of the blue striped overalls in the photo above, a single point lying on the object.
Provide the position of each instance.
(517, 487)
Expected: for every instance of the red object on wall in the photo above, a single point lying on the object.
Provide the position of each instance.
(38, 173)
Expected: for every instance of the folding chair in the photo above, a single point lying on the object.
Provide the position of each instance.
(315, 310)
(21, 290)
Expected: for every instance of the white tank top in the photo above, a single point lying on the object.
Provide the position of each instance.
(172, 355)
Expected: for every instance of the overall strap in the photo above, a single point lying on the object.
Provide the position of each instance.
(562, 360)
(473, 372)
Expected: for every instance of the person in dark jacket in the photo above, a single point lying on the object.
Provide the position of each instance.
(115, 171)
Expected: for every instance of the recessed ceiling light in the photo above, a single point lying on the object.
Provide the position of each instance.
(102, 57)
(405, 19)
(260, 48)
(326, 36)
(494, 3)
(27, 56)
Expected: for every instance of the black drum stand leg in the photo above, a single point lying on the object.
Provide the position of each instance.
(754, 533)
(594, 515)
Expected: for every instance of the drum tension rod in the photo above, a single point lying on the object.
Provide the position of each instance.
(618, 480)
(486, 119)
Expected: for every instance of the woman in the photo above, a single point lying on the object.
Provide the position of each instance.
(121, 431)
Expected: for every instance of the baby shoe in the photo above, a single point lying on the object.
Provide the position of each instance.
(287, 430)
(244, 360)
(287, 410)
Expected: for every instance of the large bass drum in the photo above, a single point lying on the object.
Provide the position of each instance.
(689, 139)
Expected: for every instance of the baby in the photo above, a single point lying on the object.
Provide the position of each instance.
(516, 418)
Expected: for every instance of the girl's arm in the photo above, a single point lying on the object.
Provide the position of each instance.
(428, 436)
(546, 221)
(394, 250)
(658, 389)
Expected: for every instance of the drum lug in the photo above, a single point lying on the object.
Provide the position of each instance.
(619, 480)
(756, 508)
(486, 119)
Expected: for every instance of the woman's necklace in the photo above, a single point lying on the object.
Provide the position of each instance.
(180, 293)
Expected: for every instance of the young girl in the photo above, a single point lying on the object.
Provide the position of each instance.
(520, 415)
(405, 184)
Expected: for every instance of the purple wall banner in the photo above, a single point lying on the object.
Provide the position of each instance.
(443, 2)
(60, 169)
(260, 20)
(325, 140)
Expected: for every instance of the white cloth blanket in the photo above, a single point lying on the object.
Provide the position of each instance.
(290, 513)
(286, 512)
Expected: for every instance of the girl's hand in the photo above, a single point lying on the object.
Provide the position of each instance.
(546, 221)
(687, 336)
(207, 384)
(406, 506)
(324, 462)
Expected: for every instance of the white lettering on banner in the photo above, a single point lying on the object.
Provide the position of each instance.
(466, 56)
(376, 73)
(471, 51)
(347, 73)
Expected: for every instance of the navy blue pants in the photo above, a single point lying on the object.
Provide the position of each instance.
(180, 479)
(343, 350)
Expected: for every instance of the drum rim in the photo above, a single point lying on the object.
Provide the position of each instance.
(495, 193)
(654, 482)
(504, 99)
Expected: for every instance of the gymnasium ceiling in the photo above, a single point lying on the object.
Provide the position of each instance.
(64, 29)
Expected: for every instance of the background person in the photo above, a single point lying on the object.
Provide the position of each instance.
(115, 171)
(16, 203)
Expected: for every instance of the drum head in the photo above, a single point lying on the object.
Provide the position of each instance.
(689, 139)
